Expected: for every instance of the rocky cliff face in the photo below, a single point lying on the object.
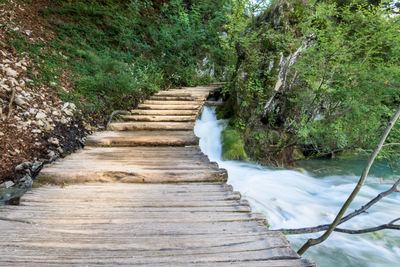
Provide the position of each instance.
(263, 85)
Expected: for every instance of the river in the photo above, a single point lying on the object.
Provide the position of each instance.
(294, 199)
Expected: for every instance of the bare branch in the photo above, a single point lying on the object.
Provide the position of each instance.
(390, 225)
(359, 211)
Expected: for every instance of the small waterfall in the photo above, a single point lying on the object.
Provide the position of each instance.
(291, 199)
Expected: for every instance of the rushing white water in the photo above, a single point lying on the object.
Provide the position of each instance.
(292, 199)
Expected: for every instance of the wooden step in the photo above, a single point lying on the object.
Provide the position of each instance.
(169, 107)
(164, 112)
(143, 197)
(143, 138)
(158, 118)
(161, 102)
(175, 93)
(151, 126)
(60, 176)
(172, 98)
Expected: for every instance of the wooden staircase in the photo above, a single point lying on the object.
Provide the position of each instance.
(141, 193)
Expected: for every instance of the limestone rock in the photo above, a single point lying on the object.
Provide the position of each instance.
(20, 102)
(54, 141)
(7, 184)
(40, 115)
(10, 72)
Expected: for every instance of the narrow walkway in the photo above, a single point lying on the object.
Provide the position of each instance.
(164, 203)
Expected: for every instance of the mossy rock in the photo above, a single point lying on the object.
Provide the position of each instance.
(232, 145)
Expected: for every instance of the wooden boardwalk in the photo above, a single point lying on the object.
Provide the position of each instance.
(141, 193)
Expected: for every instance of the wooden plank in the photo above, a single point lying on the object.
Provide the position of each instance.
(169, 107)
(150, 126)
(158, 118)
(84, 256)
(143, 138)
(180, 102)
(164, 112)
(172, 98)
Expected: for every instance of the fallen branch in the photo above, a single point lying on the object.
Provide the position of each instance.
(10, 104)
(361, 210)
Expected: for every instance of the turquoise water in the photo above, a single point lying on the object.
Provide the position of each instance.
(294, 199)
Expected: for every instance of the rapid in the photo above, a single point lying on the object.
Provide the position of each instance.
(296, 199)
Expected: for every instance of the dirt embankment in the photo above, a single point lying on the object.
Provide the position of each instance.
(36, 126)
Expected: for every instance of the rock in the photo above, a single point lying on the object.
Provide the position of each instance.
(5, 87)
(68, 112)
(10, 72)
(36, 131)
(1, 111)
(32, 111)
(51, 154)
(7, 184)
(36, 165)
(25, 182)
(69, 105)
(59, 149)
(64, 121)
(20, 167)
(56, 113)
(1, 134)
(20, 102)
(40, 115)
(54, 141)
(40, 123)
(48, 127)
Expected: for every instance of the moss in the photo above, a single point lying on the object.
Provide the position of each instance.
(46, 180)
(232, 145)
(36, 184)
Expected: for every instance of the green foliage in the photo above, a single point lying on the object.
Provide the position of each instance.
(352, 72)
(117, 52)
(340, 92)
(232, 145)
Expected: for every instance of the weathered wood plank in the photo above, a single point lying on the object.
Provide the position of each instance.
(143, 138)
(154, 118)
(172, 102)
(164, 112)
(150, 126)
(169, 107)
(172, 98)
